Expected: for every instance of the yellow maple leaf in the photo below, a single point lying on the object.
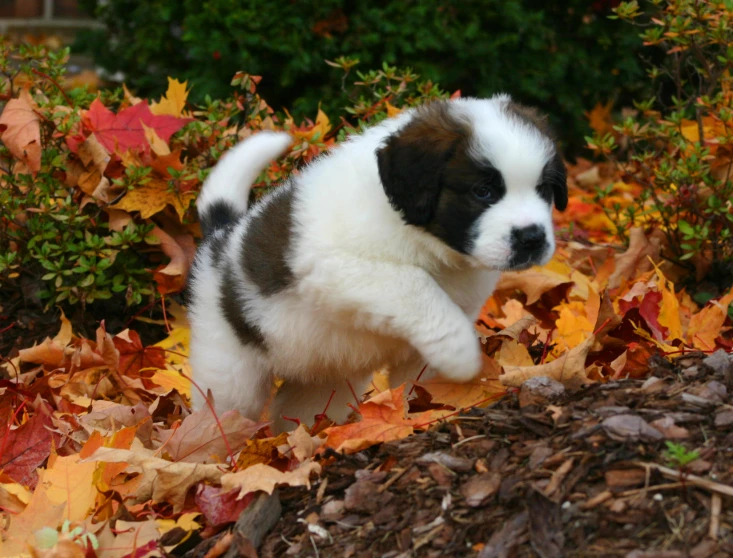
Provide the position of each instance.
(572, 327)
(669, 308)
(171, 380)
(174, 100)
(69, 482)
(153, 197)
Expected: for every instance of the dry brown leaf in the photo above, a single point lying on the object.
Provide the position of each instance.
(180, 257)
(199, 438)
(568, 369)
(636, 258)
(160, 480)
(303, 445)
(266, 478)
(534, 282)
(20, 130)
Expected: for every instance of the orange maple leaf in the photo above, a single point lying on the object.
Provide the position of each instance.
(479, 391)
(384, 419)
(705, 326)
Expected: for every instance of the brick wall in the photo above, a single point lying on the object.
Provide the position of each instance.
(41, 10)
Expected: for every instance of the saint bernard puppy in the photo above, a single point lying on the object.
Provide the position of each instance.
(380, 253)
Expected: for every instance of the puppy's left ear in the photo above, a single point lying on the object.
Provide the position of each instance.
(557, 176)
(412, 160)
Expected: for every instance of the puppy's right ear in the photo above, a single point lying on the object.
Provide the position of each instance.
(412, 160)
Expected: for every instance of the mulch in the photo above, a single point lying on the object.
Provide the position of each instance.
(542, 473)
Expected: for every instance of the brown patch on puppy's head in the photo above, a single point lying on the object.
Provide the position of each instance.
(554, 176)
(412, 161)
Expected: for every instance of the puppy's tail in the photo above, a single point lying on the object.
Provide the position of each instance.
(224, 195)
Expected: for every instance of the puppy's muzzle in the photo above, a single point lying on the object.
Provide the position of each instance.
(528, 245)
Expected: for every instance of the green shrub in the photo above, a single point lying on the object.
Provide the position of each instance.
(678, 146)
(561, 56)
(100, 213)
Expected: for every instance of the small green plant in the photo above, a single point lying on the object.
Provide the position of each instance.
(678, 146)
(679, 456)
(48, 538)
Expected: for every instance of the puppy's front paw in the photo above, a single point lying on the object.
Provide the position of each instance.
(458, 356)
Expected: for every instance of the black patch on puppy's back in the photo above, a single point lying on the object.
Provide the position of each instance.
(232, 305)
(266, 243)
(219, 215)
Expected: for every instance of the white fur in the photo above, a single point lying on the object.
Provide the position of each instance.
(369, 291)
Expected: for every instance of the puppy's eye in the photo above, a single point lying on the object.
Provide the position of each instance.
(484, 192)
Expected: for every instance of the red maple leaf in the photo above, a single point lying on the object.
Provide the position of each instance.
(25, 449)
(134, 357)
(123, 131)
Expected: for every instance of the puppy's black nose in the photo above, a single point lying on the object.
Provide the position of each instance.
(528, 239)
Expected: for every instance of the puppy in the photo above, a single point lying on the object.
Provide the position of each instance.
(380, 253)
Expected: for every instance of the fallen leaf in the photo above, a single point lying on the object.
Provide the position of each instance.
(266, 478)
(199, 438)
(174, 100)
(304, 446)
(153, 197)
(41, 512)
(480, 391)
(636, 258)
(161, 480)
(134, 356)
(568, 369)
(125, 130)
(705, 326)
(383, 419)
(533, 282)
(20, 130)
(26, 448)
(69, 482)
(220, 506)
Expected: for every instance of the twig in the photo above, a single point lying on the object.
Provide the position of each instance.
(716, 504)
(469, 439)
(694, 480)
(392, 480)
(49, 78)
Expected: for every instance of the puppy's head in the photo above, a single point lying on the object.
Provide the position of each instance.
(480, 175)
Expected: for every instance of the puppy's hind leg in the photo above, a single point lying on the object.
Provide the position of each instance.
(305, 400)
(238, 379)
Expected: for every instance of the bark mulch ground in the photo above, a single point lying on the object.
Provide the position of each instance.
(544, 472)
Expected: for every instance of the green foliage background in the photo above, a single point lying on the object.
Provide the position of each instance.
(563, 56)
